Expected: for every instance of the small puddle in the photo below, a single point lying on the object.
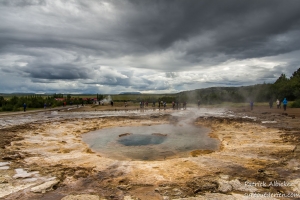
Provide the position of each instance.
(157, 142)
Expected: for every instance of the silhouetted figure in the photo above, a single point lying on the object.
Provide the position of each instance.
(271, 103)
(24, 106)
(184, 105)
(251, 105)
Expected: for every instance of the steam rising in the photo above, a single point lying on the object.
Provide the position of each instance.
(106, 100)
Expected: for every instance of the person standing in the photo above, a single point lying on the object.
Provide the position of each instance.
(284, 102)
(271, 103)
(277, 103)
(24, 106)
(280, 104)
(251, 105)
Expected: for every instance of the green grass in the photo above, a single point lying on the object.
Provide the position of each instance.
(146, 97)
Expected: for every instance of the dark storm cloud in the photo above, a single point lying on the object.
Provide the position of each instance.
(109, 81)
(135, 83)
(243, 29)
(239, 29)
(7, 70)
(56, 72)
(181, 41)
(36, 80)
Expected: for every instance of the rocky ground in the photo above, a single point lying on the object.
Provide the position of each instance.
(42, 156)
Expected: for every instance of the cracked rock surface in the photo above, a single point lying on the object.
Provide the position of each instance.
(44, 157)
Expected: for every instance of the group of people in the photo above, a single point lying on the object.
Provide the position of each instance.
(143, 104)
(278, 103)
(175, 105)
(162, 104)
(45, 105)
(284, 102)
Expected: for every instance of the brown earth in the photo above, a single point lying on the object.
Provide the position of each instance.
(259, 146)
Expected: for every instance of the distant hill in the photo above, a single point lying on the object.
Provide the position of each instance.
(21, 93)
(215, 95)
(130, 93)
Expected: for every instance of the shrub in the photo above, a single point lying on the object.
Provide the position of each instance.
(296, 104)
(7, 108)
(16, 108)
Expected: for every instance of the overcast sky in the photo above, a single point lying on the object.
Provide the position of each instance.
(150, 46)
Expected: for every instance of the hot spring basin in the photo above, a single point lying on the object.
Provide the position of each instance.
(156, 142)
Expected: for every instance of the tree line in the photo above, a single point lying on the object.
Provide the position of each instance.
(283, 87)
(38, 101)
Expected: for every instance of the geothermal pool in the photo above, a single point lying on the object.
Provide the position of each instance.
(152, 142)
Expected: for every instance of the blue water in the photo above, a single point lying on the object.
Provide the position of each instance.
(140, 140)
(157, 142)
